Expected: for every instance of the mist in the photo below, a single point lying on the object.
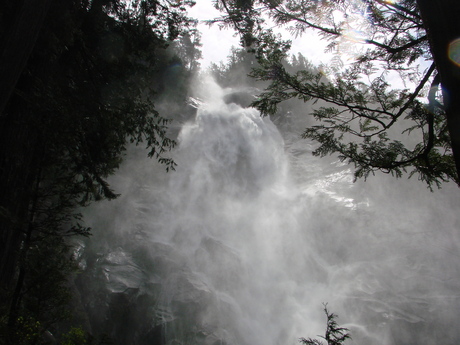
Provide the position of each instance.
(251, 234)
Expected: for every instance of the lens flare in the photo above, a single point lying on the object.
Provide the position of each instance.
(355, 36)
(454, 51)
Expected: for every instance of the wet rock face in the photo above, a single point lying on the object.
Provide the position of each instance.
(241, 98)
(153, 297)
(121, 272)
(113, 295)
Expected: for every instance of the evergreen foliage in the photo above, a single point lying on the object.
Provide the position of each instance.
(334, 334)
(234, 73)
(362, 118)
(87, 91)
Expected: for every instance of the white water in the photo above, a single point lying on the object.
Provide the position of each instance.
(251, 234)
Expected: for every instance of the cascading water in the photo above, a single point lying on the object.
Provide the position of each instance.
(251, 234)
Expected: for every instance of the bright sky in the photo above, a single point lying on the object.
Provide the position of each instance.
(217, 43)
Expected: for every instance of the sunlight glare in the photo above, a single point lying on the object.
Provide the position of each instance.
(454, 51)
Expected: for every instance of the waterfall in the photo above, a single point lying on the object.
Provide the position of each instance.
(245, 241)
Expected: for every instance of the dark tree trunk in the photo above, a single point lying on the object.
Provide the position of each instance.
(18, 169)
(442, 22)
(17, 133)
